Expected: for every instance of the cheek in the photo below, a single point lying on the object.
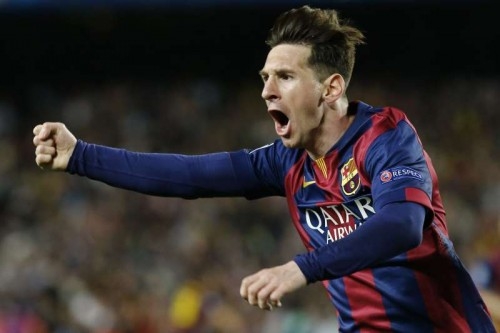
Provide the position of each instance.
(305, 103)
(307, 118)
(310, 109)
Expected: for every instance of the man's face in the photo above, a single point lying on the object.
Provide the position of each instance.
(293, 95)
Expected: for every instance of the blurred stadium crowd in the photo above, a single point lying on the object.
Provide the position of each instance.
(80, 256)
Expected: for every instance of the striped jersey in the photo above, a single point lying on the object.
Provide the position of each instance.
(378, 161)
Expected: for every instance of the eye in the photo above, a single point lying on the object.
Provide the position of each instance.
(285, 76)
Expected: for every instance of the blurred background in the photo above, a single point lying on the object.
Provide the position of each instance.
(181, 76)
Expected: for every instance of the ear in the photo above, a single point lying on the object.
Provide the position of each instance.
(334, 88)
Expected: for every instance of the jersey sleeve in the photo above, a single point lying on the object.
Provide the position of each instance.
(396, 165)
(270, 163)
(220, 174)
(395, 229)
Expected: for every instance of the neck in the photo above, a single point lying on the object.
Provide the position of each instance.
(335, 124)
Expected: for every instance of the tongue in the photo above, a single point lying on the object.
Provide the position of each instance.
(282, 130)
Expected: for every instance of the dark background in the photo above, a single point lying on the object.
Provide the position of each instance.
(51, 43)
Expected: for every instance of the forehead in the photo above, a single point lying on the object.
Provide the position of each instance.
(287, 57)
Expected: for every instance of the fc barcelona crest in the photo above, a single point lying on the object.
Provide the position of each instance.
(350, 177)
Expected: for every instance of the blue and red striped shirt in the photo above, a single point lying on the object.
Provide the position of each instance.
(350, 209)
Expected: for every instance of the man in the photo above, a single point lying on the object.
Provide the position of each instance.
(362, 192)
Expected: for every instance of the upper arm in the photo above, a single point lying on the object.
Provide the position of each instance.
(396, 166)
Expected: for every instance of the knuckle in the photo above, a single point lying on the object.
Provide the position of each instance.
(263, 294)
(252, 290)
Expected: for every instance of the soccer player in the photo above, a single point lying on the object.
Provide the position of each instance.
(362, 192)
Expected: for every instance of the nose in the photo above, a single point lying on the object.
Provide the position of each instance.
(270, 90)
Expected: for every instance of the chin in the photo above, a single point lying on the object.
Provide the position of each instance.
(287, 142)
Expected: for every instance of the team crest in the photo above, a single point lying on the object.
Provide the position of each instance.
(350, 177)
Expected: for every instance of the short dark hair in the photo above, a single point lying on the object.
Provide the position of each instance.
(333, 41)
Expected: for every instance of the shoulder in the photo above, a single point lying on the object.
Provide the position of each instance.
(372, 121)
(277, 148)
(382, 128)
(276, 153)
(362, 109)
(387, 116)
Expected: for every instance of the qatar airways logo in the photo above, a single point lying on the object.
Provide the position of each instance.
(337, 221)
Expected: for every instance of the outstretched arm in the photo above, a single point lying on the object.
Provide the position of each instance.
(166, 174)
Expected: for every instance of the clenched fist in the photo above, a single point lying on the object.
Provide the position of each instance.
(54, 146)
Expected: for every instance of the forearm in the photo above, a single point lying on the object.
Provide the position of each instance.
(171, 175)
(395, 229)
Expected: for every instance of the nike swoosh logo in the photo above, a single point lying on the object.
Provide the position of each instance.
(307, 183)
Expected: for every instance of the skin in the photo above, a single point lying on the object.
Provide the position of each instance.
(317, 114)
(54, 145)
(317, 110)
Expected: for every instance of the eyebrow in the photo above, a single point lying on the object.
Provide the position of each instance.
(278, 72)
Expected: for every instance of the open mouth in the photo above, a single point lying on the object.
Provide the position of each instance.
(279, 117)
(281, 123)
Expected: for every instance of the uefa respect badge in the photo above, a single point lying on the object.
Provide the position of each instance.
(399, 172)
